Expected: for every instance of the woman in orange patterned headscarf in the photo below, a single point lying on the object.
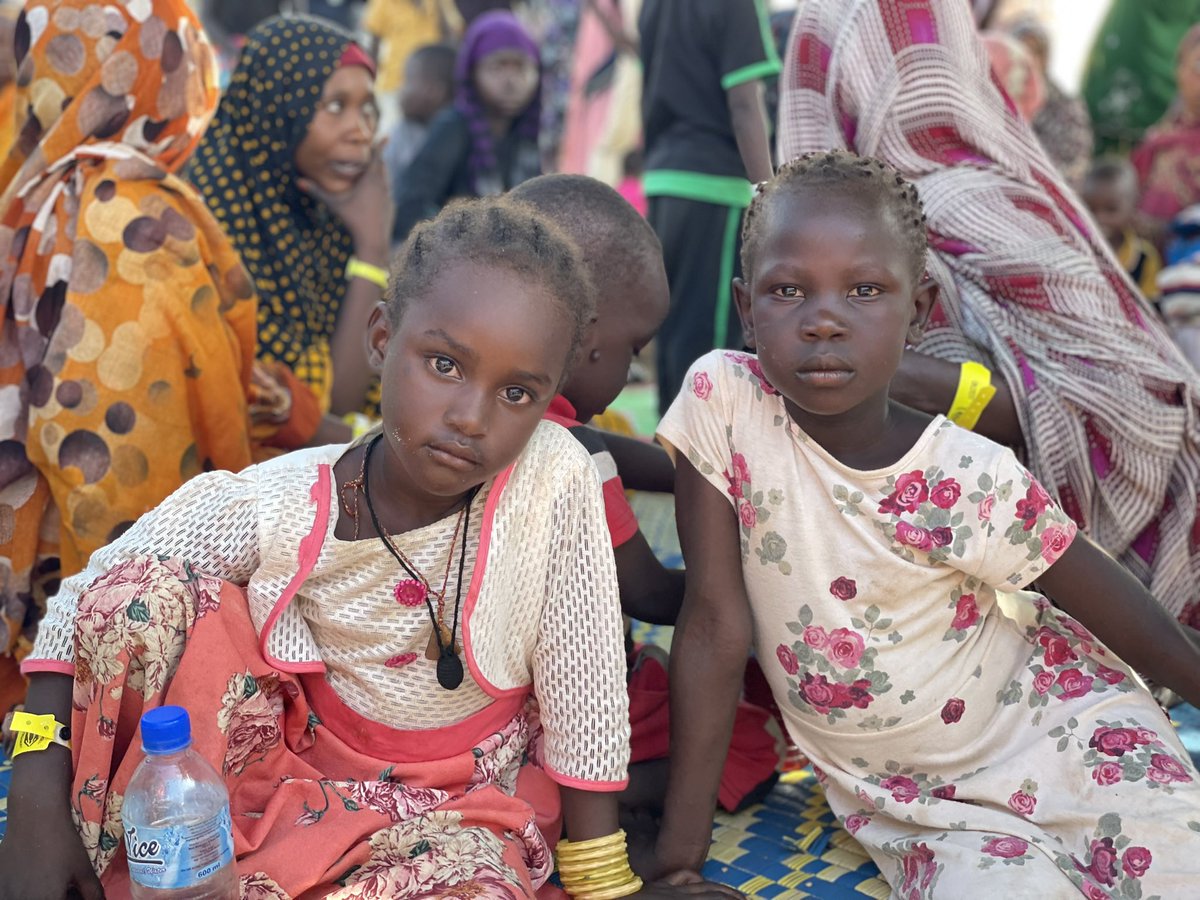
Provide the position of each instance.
(128, 337)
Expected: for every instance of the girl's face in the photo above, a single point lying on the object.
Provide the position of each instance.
(506, 81)
(467, 374)
(337, 147)
(831, 303)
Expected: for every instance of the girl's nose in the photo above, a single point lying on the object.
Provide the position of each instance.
(468, 414)
(821, 321)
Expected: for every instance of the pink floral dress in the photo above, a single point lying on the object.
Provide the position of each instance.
(966, 731)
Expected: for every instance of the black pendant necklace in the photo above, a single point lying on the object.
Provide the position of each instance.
(449, 666)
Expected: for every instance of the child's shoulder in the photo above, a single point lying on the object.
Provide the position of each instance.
(953, 447)
(306, 459)
(730, 370)
(555, 449)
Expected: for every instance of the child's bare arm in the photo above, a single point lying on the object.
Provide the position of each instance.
(643, 465)
(1103, 595)
(650, 592)
(708, 656)
(927, 383)
(42, 855)
(748, 114)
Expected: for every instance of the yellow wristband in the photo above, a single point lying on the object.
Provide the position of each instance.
(36, 732)
(356, 268)
(974, 393)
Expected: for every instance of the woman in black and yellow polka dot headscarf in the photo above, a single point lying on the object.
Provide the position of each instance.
(295, 246)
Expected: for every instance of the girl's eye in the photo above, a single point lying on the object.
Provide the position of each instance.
(517, 395)
(443, 365)
(865, 291)
(335, 107)
(788, 290)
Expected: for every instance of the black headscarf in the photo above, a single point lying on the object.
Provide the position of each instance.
(293, 246)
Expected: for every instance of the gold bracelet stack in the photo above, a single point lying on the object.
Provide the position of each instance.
(597, 869)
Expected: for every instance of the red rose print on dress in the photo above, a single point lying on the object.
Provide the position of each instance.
(844, 588)
(1057, 648)
(738, 477)
(966, 613)
(945, 792)
(1043, 681)
(410, 593)
(1074, 684)
(816, 637)
(1107, 773)
(754, 366)
(945, 493)
(953, 710)
(910, 492)
(702, 385)
(1165, 769)
(1022, 803)
(1035, 503)
(845, 647)
(1103, 867)
(986, 505)
(1115, 741)
(903, 788)
(1136, 861)
(1109, 676)
(748, 514)
(919, 868)
(914, 536)
(1006, 847)
(787, 659)
(1055, 541)
(854, 823)
(822, 695)
(942, 537)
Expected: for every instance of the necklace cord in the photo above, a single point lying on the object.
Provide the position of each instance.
(462, 555)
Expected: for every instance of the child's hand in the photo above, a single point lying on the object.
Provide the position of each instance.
(43, 859)
(365, 209)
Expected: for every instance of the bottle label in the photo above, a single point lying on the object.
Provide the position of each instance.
(179, 856)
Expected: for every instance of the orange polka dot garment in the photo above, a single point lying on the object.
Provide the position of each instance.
(294, 247)
(129, 324)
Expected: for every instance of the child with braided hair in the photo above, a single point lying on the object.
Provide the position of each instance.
(881, 560)
(356, 630)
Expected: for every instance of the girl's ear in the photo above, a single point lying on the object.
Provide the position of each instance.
(379, 332)
(741, 296)
(924, 298)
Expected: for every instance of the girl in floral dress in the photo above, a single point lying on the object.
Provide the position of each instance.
(969, 732)
(356, 630)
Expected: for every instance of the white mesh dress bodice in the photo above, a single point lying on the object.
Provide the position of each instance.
(541, 607)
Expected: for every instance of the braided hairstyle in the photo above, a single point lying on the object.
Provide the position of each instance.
(495, 232)
(872, 180)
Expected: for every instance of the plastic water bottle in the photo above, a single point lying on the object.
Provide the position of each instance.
(178, 835)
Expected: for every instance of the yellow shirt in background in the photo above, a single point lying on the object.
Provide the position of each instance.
(402, 26)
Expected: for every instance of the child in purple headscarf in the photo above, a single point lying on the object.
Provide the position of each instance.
(487, 142)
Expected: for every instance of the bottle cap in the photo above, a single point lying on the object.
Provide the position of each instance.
(166, 729)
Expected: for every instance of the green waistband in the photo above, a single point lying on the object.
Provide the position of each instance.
(720, 190)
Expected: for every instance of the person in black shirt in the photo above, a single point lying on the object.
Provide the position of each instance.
(706, 134)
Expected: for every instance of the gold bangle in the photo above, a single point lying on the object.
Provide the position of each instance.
(975, 392)
(356, 268)
(597, 869)
(569, 848)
